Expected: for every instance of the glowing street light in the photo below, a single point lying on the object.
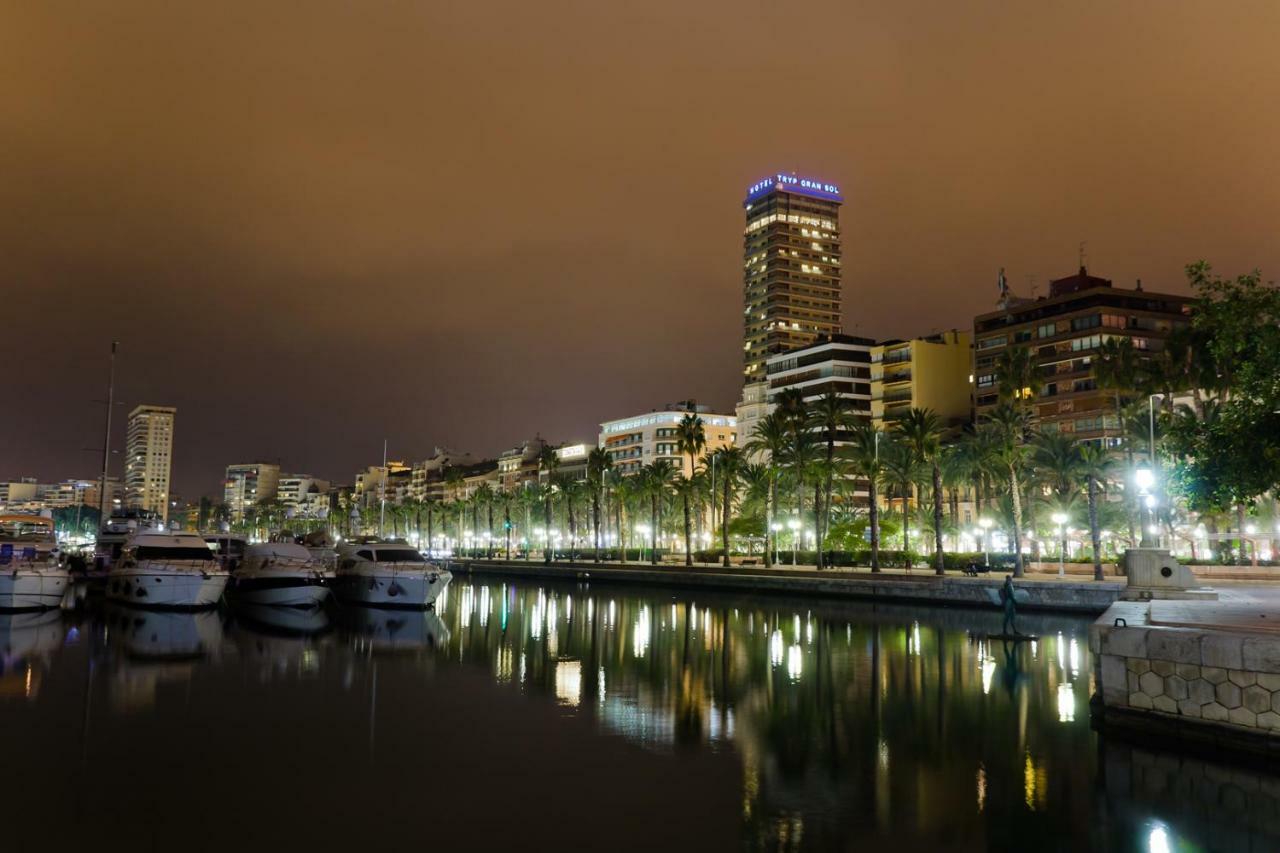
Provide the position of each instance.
(985, 524)
(1060, 518)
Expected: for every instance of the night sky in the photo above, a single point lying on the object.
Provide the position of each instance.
(313, 225)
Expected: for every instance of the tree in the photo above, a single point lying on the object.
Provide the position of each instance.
(922, 432)
(729, 460)
(599, 463)
(691, 439)
(1010, 427)
(656, 478)
(548, 462)
(900, 467)
(828, 414)
(771, 439)
(863, 453)
(1095, 463)
(1018, 376)
(686, 489)
(1227, 460)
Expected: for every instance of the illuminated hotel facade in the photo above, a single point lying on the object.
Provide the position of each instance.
(637, 441)
(790, 280)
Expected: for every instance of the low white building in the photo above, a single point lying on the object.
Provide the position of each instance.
(640, 440)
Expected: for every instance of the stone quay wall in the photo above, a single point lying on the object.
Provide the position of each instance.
(1196, 676)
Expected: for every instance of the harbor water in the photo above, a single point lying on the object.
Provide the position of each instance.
(538, 716)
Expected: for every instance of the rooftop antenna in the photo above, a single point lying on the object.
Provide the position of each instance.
(1083, 256)
(1031, 284)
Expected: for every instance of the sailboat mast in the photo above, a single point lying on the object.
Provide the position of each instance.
(103, 500)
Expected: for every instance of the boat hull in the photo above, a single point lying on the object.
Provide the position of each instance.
(159, 587)
(33, 589)
(280, 590)
(408, 589)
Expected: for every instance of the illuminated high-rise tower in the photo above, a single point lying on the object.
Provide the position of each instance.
(790, 279)
(791, 267)
(148, 460)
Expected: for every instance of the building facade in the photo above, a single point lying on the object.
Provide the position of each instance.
(149, 459)
(637, 441)
(426, 480)
(1065, 332)
(791, 278)
(248, 484)
(933, 372)
(303, 496)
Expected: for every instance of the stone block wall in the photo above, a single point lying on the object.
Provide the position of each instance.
(1217, 678)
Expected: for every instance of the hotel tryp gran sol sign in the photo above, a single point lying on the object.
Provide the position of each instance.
(794, 183)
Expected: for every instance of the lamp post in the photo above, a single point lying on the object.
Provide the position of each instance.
(777, 527)
(1060, 519)
(794, 524)
(1145, 479)
(985, 524)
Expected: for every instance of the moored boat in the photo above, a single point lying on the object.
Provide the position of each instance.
(166, 570)
(281, 574)
(31, 576)
(387, 573)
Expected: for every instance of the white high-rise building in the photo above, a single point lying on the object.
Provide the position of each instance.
(149, 459)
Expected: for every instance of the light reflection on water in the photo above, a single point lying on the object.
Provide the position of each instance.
(848, 724)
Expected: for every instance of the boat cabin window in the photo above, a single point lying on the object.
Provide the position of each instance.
(24, 530)
(399, 555)
(154, 552)
(365, 553)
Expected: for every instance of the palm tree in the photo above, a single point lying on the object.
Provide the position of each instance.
(530, 499)
(506, 499)
(1010, 430)
(691, 439)
(484, 497)
(863, 453)
(656, 478)
(1116, 371)
(827, 414)
(599, 463)
(900, 468)
(686, 489)
(430, 505)
(1095, 463)
(570, 491)
(1018, 376)
(922, 432)
(770, 439)
(729, 460)
(548, 462)
(624, 489)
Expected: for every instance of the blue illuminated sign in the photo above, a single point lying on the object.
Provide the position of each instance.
(795, 184)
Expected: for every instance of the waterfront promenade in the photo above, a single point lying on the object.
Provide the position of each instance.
(919, 586)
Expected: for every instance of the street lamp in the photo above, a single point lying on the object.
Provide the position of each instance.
(776, 527)
(794, 524)
(985, 524)
(1060, 519)
(1145, 479)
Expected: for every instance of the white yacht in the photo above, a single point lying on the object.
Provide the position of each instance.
(387, 573)
(30, 574)
(281, 574)
(166, 570)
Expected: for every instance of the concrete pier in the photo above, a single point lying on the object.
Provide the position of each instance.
(919, 587)
(1200, 670)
